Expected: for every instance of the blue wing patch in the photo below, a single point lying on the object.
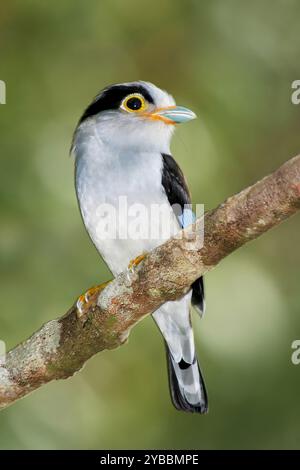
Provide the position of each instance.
(186, 218)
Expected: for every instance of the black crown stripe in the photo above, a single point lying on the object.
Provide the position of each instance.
(112, 97)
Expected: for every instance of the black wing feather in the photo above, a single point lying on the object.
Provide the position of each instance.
(178, 193)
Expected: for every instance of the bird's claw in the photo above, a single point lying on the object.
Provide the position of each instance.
(87, 300)
(130, 272)
(136, 261)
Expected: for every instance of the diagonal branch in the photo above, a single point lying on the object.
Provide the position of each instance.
(62, 346)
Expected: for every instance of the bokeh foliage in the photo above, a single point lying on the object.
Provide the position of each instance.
(233, 63)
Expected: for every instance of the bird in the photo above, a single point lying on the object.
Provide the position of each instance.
(121, 149)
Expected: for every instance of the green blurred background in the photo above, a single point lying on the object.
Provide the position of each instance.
(233, 63)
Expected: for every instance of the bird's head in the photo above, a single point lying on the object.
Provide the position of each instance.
(135, 115)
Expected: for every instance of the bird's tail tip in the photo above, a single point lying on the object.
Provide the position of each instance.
(187, 386)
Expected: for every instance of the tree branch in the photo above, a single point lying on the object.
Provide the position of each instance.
(62, 346)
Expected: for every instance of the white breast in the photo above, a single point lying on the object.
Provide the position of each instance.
(102, 177)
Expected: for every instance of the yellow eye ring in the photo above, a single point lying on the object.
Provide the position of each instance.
(134, 103)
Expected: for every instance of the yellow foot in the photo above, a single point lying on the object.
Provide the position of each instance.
(136, 261)
(86, 300)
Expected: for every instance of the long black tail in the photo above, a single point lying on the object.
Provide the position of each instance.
(187, 386)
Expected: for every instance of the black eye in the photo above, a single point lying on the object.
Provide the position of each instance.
(134, 103)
